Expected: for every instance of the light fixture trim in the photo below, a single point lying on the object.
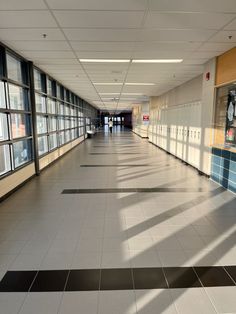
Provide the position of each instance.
(108, 84)
(105, 60)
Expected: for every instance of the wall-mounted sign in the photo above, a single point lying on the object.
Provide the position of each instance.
(145, 117)
(208, 75)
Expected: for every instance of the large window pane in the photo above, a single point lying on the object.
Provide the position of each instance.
(42, 145)
(51, 105)
(38, 84)
(67, 136)
(20, 125)
(5, 159)
(41, 124)
(18, 98)
(67, 123)
(2, 96)
(52, 124)
(52, 141)
(60, 108)
(61, 138)
(73, 111)
(3, 127)
(40, 103)
(22, 152)
(61, 123)
(49, 87)
(67, 110)
(14, 69)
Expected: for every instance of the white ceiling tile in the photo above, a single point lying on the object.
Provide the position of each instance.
(22, 5)
(193, 5)
(160, 55)
(47, 54)
(30, 34)
(56, 62)
(216, 46)
(195, 61)
(109, 89)
(29, 19)
(104, 19)
(102, 46)
(232, 25)
(223, 37)
(175, 35)
(205, 54)
(104, 55)
(94, 34)
(39, 45)
(187, 20)
(98, 5)
(167, 46)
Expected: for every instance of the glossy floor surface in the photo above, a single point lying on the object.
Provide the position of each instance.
(128, 206)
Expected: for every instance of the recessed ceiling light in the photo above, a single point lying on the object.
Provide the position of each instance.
(158, 61)
(140, 84)
(105, 60)
(108, 84)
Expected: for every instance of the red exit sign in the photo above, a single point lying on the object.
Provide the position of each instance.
(145, 117)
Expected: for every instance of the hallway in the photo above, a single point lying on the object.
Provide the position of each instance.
(118, 226)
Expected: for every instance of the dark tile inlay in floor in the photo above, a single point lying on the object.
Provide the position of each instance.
(116, 279)
(181, 277)
(50, 280)
(149, 278)
(133, 190)
(101, 166)
(213, 276)
(17, 281)
(83, 280)
(232, 271)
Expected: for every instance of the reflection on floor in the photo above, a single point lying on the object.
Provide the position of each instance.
(158, 217)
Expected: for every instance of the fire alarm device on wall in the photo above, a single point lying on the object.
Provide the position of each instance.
(208, 76)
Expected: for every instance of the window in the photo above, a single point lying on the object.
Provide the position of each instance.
(61, 123)
(38, 83)
(51, 104)
(41, 124)
(67, 136)
(42, 145)
(2, 95)
(14, 70)
(60, 108)
(52, 141)
(5, 159)
(18, 98)
(67, 110)
(22, 152)
(61, 138)
(40, 103)
(3, 127)
(20, 125)
(52, 124)
(67, 122)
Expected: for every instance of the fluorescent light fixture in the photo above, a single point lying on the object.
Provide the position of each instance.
(157, 61)
(105, 60)
(109, 93)
(112, 84)
(133, 94)
(140, 84)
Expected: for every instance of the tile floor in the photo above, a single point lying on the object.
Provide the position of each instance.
(43, 229)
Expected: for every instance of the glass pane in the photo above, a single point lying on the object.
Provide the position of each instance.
(14, 68)
(61, 123)
(58, 91)
(67, 136)
(2, 96)
(38, 80)
(67, 110)
(52, 124)
(73, 134)
(42, 145)
(41, 124)
(40, 103)
(73, 111)
(51, 105)
(67, 123)
(22, 152)
(61, 138)
(60, 108)
(18, 97)
(73, 122)
(53, 141)
(3, 127)
(20, 125)
(5, 159)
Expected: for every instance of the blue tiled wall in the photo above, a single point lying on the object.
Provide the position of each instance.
(223, 168)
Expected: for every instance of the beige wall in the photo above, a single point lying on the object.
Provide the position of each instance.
(12, 181)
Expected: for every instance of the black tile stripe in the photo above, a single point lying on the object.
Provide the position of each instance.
(102, 166)
(120, 153)
(118, 279)
(133, 190)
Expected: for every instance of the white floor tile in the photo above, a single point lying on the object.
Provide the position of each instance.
(79, 302)
(10, 303)
(223, 299)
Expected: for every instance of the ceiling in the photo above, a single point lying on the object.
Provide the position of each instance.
(194, 31)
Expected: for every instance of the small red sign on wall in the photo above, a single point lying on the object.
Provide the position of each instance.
(145, 117)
